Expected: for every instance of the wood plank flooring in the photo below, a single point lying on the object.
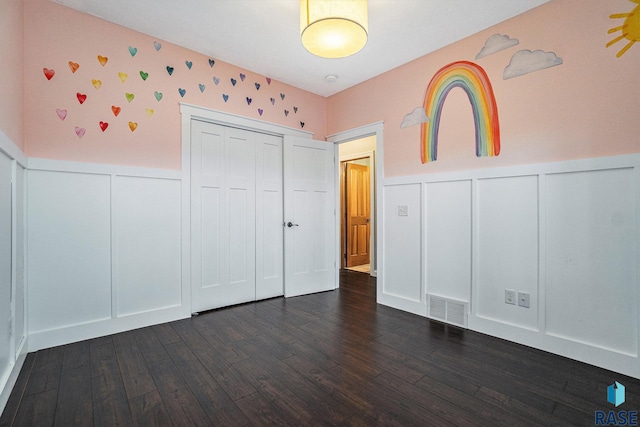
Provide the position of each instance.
(334, 358)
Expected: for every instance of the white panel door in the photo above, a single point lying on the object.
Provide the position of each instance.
(222, 216)
(309, 215)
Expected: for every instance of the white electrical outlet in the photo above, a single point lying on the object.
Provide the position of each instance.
(523, 299)
(403, 210)
(510, 296)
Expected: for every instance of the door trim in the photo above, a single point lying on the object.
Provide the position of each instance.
(377, 129)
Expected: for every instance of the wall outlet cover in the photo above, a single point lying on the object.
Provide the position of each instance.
(510, 296)
(403, 210)
(524, 299)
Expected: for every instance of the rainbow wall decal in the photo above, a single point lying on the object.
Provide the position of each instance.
(475, 82)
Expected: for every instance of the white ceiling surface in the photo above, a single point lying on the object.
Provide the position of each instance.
(263, 36)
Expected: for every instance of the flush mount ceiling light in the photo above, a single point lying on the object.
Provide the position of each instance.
(333, 28)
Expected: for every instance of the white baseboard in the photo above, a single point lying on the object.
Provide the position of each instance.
(7, 386)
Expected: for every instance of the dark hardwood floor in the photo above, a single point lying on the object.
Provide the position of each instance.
(334, 358)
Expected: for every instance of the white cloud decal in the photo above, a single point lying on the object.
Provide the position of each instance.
(496, 43)
(417, 116)
(526, 61)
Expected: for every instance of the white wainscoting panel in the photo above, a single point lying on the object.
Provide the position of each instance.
(69, 249)
(566, 233)
(6, 356)
(105, 250)
(448, 239)
(20, 326)
(147, 249)
(592, 236)
(402, 262)
(507, 248)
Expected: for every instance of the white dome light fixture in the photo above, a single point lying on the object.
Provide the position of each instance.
(333, 28)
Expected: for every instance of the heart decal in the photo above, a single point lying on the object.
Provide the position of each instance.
(225, 97)
(233, 81)
(282, 96)
(133, 126)
(81, 97)
(182, 92)
(158, 95)
(273, 101)
(96, 83)
(48, 73)
(216, 80)
(116, 110)
(201, 87)
(249, 100)
(133, 51)
(189, 64)
(74, 66)
(257, 86)
(129, 96)
(242, 76)
(301, 124)
(260, 111)
(169, 70)
(149, 112)
(123, 76)
(62, 113)
(211, 63)
(295, 110)
(102, 60)
(157, 45)
(80, 131)
(286, 113)
(268, 80)
(144, 75)
(104, 126)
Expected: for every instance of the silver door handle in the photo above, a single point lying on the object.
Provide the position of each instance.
(290, 224)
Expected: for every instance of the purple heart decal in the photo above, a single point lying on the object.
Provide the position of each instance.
(216, 80)
(273, 101)
(268, 80)
(257, 86)
(295, 110)
(62, 113)
(260, 111)
(225, 97)
(242, 76)
(249, 100)
(286, 113)
(211, 63)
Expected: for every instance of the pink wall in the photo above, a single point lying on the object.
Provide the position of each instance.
(11, 84)
(56, 35)
(586, 107)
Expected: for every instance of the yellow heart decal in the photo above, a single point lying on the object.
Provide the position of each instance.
(103, 60)
(133, 126)
(149, 112)
(123, 76)
(96, 83)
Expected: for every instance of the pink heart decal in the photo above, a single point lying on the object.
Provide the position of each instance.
(268, 80)
(48, 73)
(62, 113)
(81, 97)
(80, 131)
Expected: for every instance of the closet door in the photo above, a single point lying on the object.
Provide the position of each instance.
(223, 216)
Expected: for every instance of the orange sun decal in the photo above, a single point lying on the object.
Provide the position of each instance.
(630, 28)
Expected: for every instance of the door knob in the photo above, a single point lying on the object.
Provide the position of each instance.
(290, 224)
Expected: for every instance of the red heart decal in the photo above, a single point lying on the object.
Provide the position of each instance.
(116, 110)
(81, 97)
(74, 66)
(104, 126)
(48, 73)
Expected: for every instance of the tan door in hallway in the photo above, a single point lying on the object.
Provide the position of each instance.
(358, 214)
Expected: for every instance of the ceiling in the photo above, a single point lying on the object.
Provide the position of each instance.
(263, 36)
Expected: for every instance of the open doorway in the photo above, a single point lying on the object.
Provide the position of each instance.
(357, 205)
